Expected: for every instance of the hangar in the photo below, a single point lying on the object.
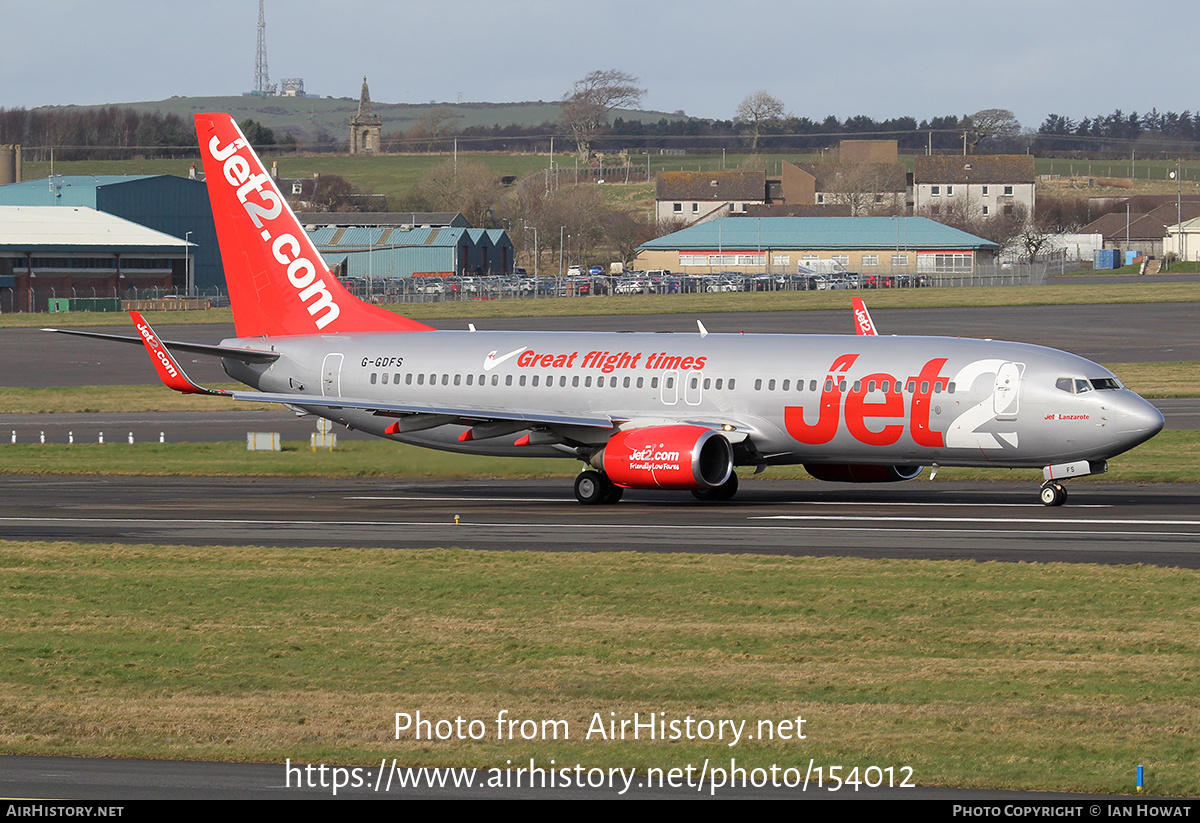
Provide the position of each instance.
(49, 252)
(779, 245)
(393, 252)
(170, 205)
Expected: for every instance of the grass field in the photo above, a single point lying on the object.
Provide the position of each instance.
(985, 675)
(1172, 456)
(949, 297)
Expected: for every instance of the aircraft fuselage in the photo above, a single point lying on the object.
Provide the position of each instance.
(793, 398)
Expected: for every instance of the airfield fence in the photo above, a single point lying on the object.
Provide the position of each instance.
(501, 287)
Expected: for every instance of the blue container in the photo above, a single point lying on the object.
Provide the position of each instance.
(1104, 258)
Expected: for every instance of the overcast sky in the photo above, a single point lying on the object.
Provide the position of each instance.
(881, 58)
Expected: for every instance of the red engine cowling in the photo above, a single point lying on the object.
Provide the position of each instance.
(849, 473)
(667, 457)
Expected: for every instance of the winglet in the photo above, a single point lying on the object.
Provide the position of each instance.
(862, 318)
(169, 370)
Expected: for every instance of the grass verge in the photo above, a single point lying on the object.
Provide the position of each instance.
(118, 399)
(1172, 456)
(983, 675)
(950, 297)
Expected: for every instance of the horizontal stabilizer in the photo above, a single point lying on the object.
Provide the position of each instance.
(232, 352)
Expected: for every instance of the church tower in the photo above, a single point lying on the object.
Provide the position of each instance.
(366, 127)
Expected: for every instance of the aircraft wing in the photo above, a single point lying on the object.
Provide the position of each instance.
(532, 416)
(246, 355)
(173, 375)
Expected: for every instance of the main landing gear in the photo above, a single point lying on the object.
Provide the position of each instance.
(725, 491)
(594, 488)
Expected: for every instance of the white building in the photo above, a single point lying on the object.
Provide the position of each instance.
(982, 184)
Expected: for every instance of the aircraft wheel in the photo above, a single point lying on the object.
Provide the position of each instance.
(592, 488)
(725, 491)
(1053, 494)
(728, 489)
(614, 493)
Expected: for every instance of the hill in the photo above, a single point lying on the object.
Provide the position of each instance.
(310, 117)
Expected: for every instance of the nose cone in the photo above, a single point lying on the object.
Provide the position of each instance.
(1137, 420)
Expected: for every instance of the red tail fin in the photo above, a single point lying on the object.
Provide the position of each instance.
(278, 283)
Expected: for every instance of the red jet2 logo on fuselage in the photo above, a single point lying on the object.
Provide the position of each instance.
(857, 410)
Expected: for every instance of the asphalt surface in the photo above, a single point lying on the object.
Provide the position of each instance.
(1101, 523)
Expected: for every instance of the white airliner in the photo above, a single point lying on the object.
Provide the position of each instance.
(642, 411)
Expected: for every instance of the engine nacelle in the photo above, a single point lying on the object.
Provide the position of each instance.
(666, 457)
(850, 473)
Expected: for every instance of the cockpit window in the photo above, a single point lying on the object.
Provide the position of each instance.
(1077, 385)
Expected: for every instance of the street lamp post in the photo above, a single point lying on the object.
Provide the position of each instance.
(1180, 254)
(188, 281)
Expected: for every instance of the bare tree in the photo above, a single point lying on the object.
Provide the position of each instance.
(574, 214)
(1004, 229)
(1033, 236)
(989, 124)
(869, 189)
(469, 187)
(586, 107)
(759, 109)
(433, 124)
(625, 232)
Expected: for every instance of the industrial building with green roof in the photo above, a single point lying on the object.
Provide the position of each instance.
(781, 245)
(401, 251)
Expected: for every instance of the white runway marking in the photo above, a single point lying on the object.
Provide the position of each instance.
(1071, 525)
(968, 520)
(475, 499)
(568, 499)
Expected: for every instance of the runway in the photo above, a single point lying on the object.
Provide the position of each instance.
(1103, 523)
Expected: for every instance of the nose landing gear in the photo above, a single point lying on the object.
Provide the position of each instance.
(1053, 494)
